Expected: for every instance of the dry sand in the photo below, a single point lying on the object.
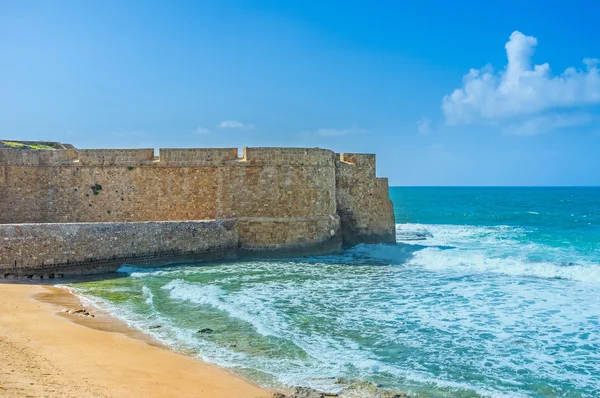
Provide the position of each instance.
(46, 352)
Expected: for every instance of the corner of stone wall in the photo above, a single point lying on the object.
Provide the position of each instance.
(363, 203)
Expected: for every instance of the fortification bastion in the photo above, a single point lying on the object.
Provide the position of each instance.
(76, 211)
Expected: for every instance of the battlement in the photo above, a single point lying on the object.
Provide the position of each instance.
(196, 156)
(289, 156)
(21, 157)
(113, 157)
(356, 166)
(359, 159)
(178, 157)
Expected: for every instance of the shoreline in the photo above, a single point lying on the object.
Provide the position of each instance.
(53, 346)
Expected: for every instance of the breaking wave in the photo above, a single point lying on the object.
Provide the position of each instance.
(500, 249)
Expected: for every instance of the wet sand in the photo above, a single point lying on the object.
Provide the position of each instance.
(48, 352)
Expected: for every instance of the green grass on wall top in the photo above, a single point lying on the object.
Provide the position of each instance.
(20, 145)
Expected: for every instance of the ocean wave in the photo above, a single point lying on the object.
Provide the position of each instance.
(456, 235)
(377, 253)
(143, 272)
(147, 293)
(130, 269)
(476, 262)
(494, 249)
(215, 297)
(326, 359)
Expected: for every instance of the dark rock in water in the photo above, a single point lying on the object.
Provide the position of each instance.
(568, 264)
(304, 392)
(423, 235)
(414, 235)
(206, 331)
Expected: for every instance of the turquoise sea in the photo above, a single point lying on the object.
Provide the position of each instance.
(490, 292)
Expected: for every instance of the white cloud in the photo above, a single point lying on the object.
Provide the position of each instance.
(340, 132)
(234, 124)
(522, 92)
(202, 131)
(424, 126)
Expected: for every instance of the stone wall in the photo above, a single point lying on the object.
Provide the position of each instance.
(290, 236)
(114, 157)
(363, 202)
(183, 184)
(285, 200)
(49, 250)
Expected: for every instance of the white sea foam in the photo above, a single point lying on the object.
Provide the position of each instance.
(498, 249)
(147, 293)
(460, 235)
(141, 272)
(329, 356)
(215, 297)
(469, 261)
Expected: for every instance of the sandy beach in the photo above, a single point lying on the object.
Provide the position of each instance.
(46, 351)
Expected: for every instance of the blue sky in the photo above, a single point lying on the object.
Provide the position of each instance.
(426, 85)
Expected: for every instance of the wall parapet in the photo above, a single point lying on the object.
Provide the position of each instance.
(114, 157)
(179, 157)
(21, 157)
(196, 156)
(359, 159)
(362, 164)
(289, 156)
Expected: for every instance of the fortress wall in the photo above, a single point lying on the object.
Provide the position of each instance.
(290, 236)
(363, 203)
(277, 191)
(36, 158)
(128, 186)
(114, 157)
(48, 250)
(365, 163)
(107, 194)
(196, 156)
(113, 194)
(313, 157)
(285, 199)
